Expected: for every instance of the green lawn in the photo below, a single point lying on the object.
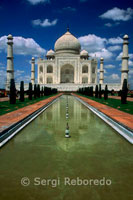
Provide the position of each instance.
(6, 107)
(115, 103)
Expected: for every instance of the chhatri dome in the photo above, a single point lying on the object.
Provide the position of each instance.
(67, 43)
(50, 53)
(84, 53)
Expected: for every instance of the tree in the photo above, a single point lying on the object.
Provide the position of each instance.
(12, 92)
(119, 93)
(38, 90)
(124, 92)
(35, 91)
(30, 91)
(54, 91)
(42, 92)
(22, 91)
(100, 92)
(86, 92)
(91, 91)
(112, 92)
(96, 91)
(106, 92)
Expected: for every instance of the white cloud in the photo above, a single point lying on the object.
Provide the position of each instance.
(2, 66)
(108, 24)
(131, 55)
(44, 23)
(117, 14)
(18, 72)
(96, 46)
(130, 63)
(103, 53)
(92, 42)
(25, 78)
(22, 46)
(113, 78)
(34, 2)
(131, 72)
(117, 40)
(114, 48)
(2, 77)
(69, 8)
(109, 66)
(119, 57)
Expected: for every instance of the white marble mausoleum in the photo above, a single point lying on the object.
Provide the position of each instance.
(67, 64)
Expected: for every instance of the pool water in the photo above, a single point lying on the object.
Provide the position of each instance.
(54, 164)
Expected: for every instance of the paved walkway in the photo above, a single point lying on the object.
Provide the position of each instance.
(4, 99)
(13, 117)
(116, 97)
(117, 115)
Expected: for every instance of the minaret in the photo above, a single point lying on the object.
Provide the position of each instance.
(125, 57)
(101, 71)
(10, 66)
(33, 70)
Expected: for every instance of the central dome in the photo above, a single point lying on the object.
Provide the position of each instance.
(67, 44)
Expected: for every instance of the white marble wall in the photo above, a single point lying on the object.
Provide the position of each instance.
(60, 61)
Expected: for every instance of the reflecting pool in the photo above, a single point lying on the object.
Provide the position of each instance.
(41, 152)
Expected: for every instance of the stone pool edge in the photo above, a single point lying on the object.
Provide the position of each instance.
(121, 129)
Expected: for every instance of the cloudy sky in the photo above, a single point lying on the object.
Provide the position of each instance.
(37, 24)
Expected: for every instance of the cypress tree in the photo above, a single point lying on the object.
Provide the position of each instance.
(86, 91)
(96, 91)
(100, 92)
(54, 91)
(124, 92)
(106, 92)
(42, 92)
(35, 91)
(50, 91)
(119, 93)
(38, 91)
(91, 91)
(30, 91)
(12, 92)
(45, 91)
(22, 91)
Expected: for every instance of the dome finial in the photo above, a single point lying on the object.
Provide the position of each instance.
(67, 27)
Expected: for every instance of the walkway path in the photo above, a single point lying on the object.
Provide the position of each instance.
(116, 97)
(13, 117)
(117, 115)
(4, 99)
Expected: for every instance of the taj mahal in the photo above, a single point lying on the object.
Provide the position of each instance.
(67, 67)
(67, 64)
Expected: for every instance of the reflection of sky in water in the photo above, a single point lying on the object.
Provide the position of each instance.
(94, 150)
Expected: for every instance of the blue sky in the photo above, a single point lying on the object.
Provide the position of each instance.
(37, 24)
